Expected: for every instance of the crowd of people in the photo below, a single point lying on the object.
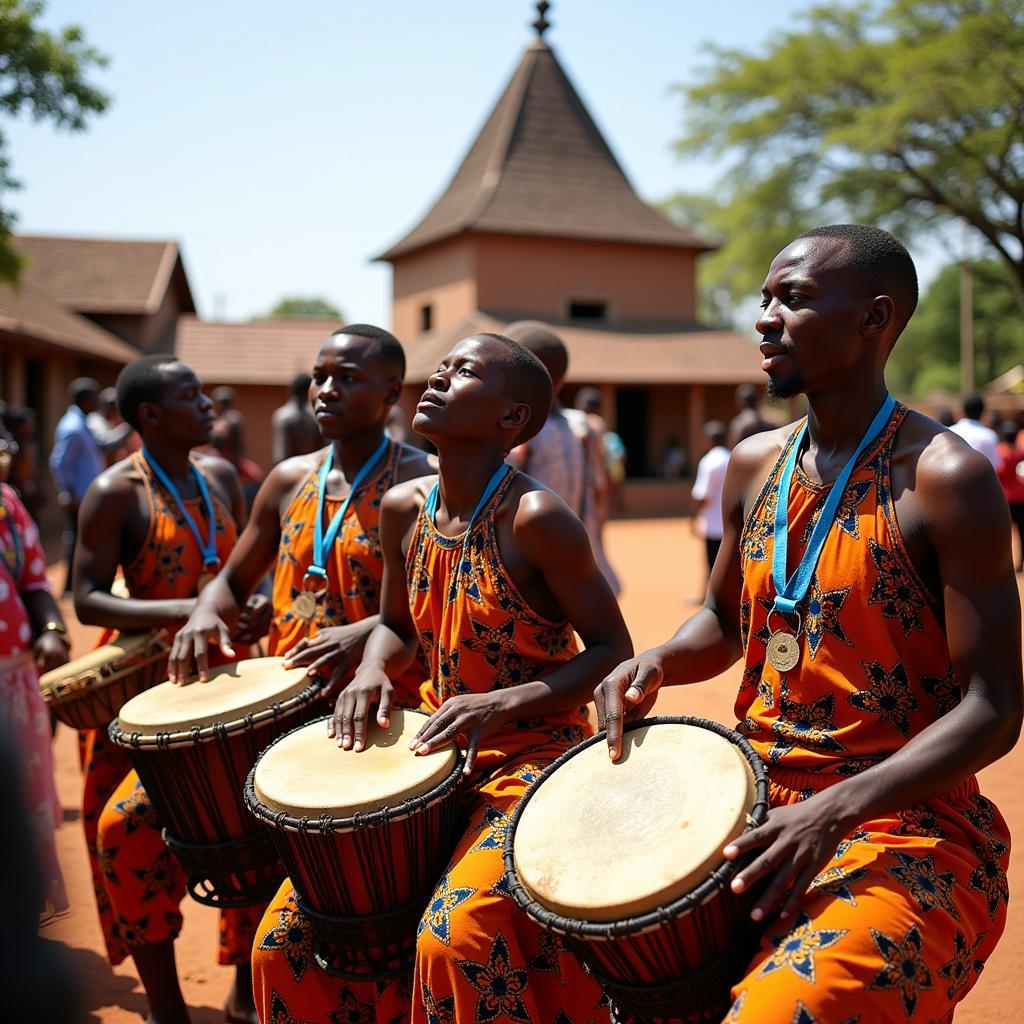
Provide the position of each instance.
(466, 576)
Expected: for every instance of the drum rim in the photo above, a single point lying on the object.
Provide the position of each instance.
(152, 647)
(218, 730)
(717, 880)
(326, 824)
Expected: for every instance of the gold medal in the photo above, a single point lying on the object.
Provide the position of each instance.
(204, 581)
(783, 651)
(304, 605)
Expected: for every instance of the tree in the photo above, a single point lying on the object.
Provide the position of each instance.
(909, 114)
(298, 306)
(927, 355)
(45, 73)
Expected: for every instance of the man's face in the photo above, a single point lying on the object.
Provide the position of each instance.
(812, 313)
(465, 395)
(352, 388)
(185, 411)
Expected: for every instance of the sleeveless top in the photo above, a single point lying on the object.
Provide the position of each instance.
(475, 629)
(355, 565)
(874, 666)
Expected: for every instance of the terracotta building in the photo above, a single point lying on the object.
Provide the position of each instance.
(539, 221)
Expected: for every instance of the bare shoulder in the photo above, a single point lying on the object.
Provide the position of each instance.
(289, 472)
(540, 518)
(118, 480)
(215, 465)
(407, 497)
(415, 463)
(752, 452)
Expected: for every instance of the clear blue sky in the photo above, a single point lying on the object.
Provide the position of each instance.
(284, 145)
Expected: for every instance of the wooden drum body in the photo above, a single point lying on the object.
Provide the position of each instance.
(364, 837)
(87, 693)
(625, 861)
(193, 747)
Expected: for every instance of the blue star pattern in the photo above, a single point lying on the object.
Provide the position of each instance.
(438, 915)
(903, 968)
(796, 948)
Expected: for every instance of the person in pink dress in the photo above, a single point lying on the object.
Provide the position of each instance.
(33, 638)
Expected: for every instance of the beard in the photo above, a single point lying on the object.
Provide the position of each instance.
(785, 387)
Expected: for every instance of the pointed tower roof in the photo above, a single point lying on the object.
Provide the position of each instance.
(540, 166)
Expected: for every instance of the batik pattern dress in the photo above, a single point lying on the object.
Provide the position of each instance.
(139, 883)
(899, 923)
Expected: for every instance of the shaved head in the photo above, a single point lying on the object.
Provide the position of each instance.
(541, 340)
(526, 381)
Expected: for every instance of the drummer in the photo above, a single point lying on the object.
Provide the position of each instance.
(492, 573)
(326, 593)
(882, 660)
(151, 515)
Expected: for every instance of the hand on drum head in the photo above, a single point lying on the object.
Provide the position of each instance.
(333, 654)
(254, 622)
(796, 842)
(627, 693)
(369, 687)
(193, 640)
(469, 715)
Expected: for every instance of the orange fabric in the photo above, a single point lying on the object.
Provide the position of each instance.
(168, 566)
(477, 633)
(354, 568)
(901, 920)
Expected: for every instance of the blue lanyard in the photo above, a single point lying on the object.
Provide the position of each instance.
(209, 548)
(430, 506)
(789, 593)
(322, 543)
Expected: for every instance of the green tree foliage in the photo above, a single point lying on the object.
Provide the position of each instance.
(927, 355)
(43, 73)
(907, 114)
(299, 306)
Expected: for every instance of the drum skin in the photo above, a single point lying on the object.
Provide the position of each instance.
(664, 947)
(88, 692)
(366, 842)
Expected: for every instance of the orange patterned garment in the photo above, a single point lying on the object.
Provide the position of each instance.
(900, 921)
(139, 884)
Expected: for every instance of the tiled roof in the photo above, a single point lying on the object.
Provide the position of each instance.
(540, 166)
(258, 352)
(618, 356)
(94, 275)
(34, 314)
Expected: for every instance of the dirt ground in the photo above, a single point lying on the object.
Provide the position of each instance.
(660, 563)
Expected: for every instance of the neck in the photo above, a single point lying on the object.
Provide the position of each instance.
(173, 459)
(837, 419)
(463, 473)
(351, 453)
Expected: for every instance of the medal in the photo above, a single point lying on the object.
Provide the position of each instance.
(304, 606)
(783, 651)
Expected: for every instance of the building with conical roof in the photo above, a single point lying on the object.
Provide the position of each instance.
(540, 221)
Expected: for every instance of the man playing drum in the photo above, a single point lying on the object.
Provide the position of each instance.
(880, 637)
(490, 573)
(169, 517)
(326, 592)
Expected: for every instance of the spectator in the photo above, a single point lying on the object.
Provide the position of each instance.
(748, 420)
(1011, 476)
(974, 432)
(24, 472)
(295, 428)
(945, 416)
(707, 490)
(228, 441)
(76, 460)
(115, 437)
(673, 460)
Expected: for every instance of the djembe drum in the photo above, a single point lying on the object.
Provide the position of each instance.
(193, 747)
(625, 861)
(88, 692)
(364, 837)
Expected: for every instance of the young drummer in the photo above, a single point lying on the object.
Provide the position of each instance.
(326, 591)
(169, 518)
(490, 575)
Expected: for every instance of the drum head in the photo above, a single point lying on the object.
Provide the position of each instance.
(603, 842)
(95, 661)
(306, 774)
(232, 692)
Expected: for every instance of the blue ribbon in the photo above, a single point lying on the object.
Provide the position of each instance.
(208, 549)
(430, 506)
(789, 593)
(322, 543)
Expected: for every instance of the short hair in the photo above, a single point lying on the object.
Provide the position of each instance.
(82, 386)
(108, 398)
(224, 394)
(587, 396)
(881, 262)
(715, 430)
(1008, 430)
(526, 380)
(538, 338)
(746, 395)
(300, 385)
(142, 380)
(389, 348)
(974, 406)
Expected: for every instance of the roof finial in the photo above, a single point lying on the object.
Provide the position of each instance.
(542, 24)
